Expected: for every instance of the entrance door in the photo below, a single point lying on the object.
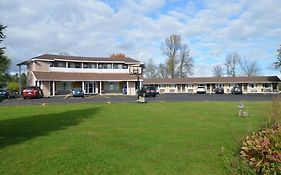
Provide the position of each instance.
(90, 87)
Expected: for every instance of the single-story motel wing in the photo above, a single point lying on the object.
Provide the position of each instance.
(257, 84)
(59, 74)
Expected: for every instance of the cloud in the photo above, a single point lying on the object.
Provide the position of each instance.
(138, 28)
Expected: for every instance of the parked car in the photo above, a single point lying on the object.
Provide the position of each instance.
(236, 90)
(32, 92)
(8, 94)
(151, 91)
(78, 92)
(219, 90)
(201, 90)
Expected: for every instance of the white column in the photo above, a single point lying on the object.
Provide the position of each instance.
(96, 87)
(54, 88)
(128, 89)
(100, 87)
(83, 86)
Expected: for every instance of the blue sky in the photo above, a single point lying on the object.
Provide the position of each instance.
(138, 29)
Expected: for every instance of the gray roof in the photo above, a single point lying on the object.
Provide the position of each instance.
(49, 57)
(257, 79)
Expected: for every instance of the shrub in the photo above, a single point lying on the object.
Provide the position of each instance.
(262, 151)
(13, 86)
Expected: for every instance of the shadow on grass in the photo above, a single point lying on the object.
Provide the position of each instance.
(15, 131)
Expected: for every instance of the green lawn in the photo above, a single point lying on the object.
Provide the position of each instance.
(129, 138)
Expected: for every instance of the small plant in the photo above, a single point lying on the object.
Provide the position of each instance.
(262, 151)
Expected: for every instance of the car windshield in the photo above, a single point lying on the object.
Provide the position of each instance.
(151, 88)
(30, 88)
(77, 89)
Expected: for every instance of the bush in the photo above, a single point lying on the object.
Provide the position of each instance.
(13, 86)
(262, 151)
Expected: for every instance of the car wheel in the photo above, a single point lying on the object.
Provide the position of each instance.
(24, 98)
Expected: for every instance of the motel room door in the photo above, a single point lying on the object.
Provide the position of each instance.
(90, 87)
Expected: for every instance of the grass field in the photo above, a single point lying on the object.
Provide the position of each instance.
(129, 138)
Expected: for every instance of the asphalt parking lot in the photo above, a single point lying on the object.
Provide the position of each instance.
(124, 98)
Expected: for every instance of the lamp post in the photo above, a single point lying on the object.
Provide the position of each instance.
(136, 70)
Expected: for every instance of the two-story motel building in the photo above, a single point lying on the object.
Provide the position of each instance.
(59, 74)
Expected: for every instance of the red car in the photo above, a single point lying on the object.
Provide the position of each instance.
(32, 92)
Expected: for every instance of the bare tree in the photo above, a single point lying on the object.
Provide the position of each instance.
(179, 63)
(151, 70)
(218, 70)
(232, 62)
(249, 68)
(277, 64)
(162, 71)
(173, 45)
(185, 62)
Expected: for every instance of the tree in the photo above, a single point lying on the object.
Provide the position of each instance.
(249, 68)
(118, 55)
(218, 70)
(232, 62)
(151, 70)
(4, 61)
(162, 71)
(179, 63)
(185, 62)
(16, 77)
(277, 64)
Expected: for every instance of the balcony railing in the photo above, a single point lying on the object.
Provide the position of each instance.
(63, 69)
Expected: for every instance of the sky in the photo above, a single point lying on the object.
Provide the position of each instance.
(138, 28)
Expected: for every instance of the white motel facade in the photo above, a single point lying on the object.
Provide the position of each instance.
(59, 74)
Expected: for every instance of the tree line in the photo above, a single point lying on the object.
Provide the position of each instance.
(7, 80)
(179, 63)
(234, 65)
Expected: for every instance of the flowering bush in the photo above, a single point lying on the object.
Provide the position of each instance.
(262, 151)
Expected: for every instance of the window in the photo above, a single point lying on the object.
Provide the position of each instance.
(117, 66)
(66, 86)
(125, 66)
(105, 66)
(266, 85)
(58, 64)
(89, 65)
(74, 65)
(251, 85)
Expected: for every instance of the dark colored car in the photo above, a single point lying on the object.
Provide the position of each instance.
(32, 92)
(8, 94)
(219, 90)
(77, 92)
(236, 90)
(151, 91)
